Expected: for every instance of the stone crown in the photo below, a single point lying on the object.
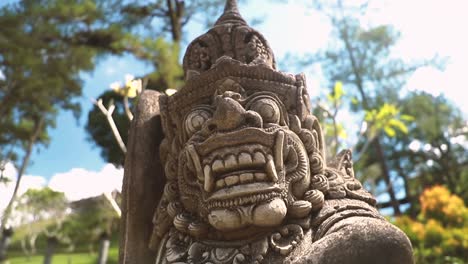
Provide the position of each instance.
(231, 37)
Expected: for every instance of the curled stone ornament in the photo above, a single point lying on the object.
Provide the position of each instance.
(171, 191)
(320, 182)
(286, 238)
(182, 222)
(256, 49)
(174, 208)
(195, 120)
(299, 209)
(316, 198)
(316, 163)
(170, 170)
(198, 229)
(310, 142)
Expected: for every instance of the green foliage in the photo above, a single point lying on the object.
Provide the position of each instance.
(162, 54)
(388, 119)
(38, 201)
(168, 18)
(44, 46)
(440, 232)
(40, 212)
(80, 228)
(66, 257)
(337, 94)
(89, 220)
(328, 112)
(361, 57)
(434, 150)
(42, 205)
(158, 43)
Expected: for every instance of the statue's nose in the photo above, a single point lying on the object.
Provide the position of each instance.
(230, 114)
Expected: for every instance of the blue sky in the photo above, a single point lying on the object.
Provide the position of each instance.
(69, 147)
(427, 28)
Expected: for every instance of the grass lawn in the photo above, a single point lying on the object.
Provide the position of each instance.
(66, 258)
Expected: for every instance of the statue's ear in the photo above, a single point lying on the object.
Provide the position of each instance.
(143, 182)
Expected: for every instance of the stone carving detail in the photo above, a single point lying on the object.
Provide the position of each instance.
(286, 239)
(232, 37)
(246, 179)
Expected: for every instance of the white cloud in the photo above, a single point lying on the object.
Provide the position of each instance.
(27, 182)
(306, 30)
(9, 171)
(77, 183)
(430, 28)
(448, 82)
(80, 183)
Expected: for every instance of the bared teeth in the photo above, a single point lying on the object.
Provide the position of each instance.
(279, 150)
(220, 184)
(230, 162)
(240, 162)
(260, 176)
(196, 161)
(233, 162)
(232, 180)
(209, 180)
(270, 169)
(258, 158)
(218, 165)
(246, 177)
(245, 158)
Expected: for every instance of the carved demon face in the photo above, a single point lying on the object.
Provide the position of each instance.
(243, 163)
(240, 160)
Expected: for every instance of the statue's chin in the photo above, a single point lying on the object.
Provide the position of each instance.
(267, 214)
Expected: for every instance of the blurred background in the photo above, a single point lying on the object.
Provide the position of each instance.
(386, 78)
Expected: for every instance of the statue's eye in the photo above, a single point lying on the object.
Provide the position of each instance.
(195, 120)
(268, 110)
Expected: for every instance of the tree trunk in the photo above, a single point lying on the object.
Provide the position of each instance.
(175, 12)
(409, 196)
(6, 213)
(378, 147)
(4, 242)
(104, 249)
(50, 249)
(383, 163)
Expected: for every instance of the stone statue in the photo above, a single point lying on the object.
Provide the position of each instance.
(241, 175)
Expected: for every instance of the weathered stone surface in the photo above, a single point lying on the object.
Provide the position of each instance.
(245, 178)
(143, 181)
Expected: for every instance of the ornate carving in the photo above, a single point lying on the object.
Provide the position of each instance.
(181, 249)
(286, 239)
(229, 37)
(246, 179)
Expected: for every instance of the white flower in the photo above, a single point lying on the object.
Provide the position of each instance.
(115, 86)
(170, 91)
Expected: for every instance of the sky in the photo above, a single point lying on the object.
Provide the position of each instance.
(428, 27)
